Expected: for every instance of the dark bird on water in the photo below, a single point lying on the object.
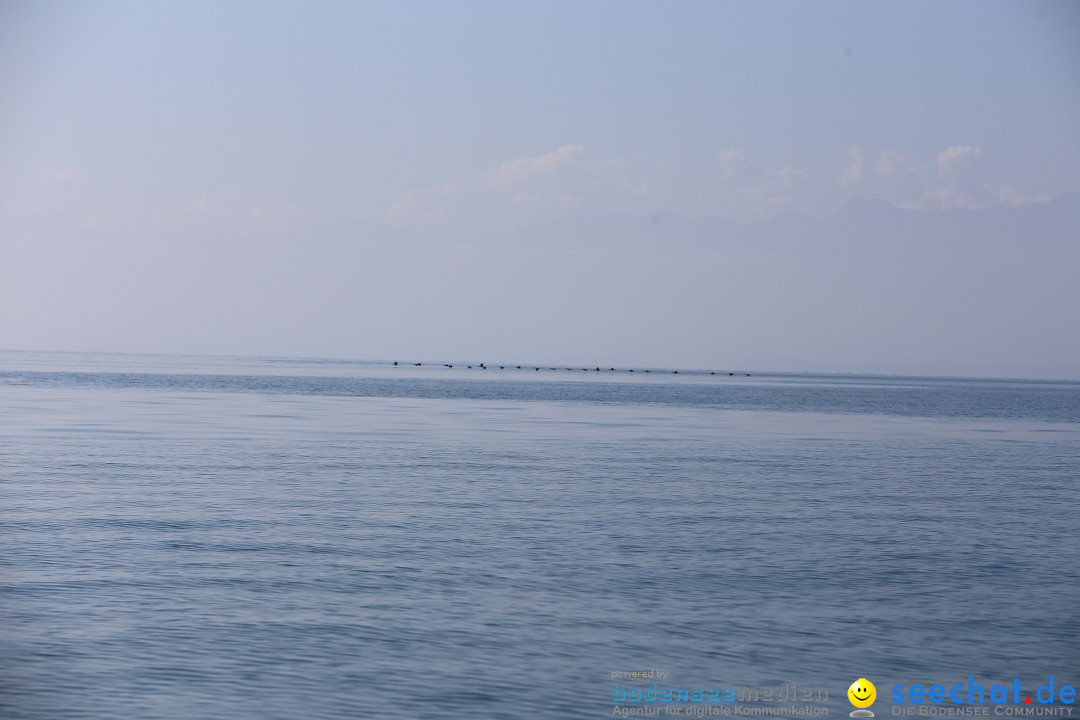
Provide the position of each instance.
(416, 364)
(395, 362)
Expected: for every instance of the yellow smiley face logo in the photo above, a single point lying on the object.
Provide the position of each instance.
(862, 693)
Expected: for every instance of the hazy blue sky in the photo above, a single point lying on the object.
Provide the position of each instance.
(386, 179)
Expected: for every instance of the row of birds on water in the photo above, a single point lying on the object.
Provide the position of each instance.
(537, 368)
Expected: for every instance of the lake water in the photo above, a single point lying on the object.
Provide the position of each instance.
(264, 538)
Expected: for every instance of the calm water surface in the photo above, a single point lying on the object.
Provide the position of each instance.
(259, 538)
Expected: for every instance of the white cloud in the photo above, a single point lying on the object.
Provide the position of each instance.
(955, 179)
(958, 159)
(505, 176)
(961, 182)
(735, 167)
(571, 180)
(1011, 197)
(750, 190)
(890, 163)
(522, 191)
(785, 175)
(853, 173)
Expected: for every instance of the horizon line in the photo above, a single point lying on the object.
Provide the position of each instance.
(558, 366)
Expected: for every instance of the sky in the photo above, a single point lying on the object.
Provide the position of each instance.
(601, 182)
